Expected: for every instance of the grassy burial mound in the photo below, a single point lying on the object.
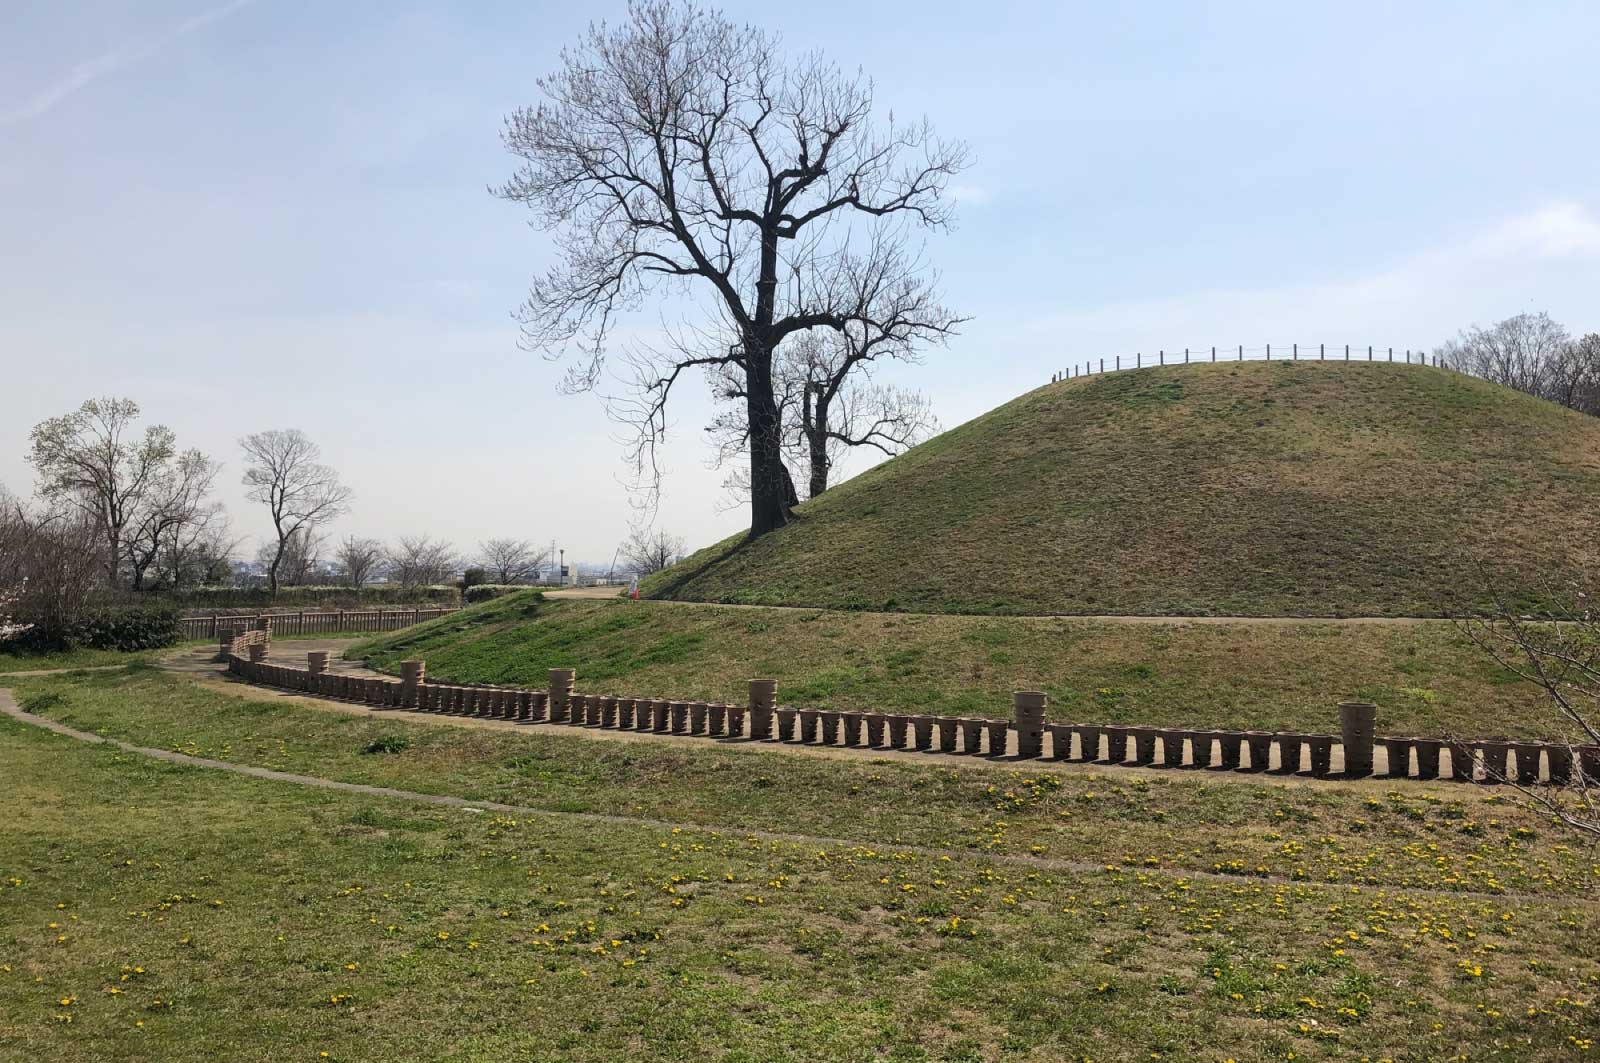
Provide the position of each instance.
(1426, 676)
(1255, 489)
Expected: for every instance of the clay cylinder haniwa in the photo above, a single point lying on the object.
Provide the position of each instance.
(875, 721)
(1559, 758)
(1321, 754)
(1526, 756)
(1144, 744)
(1397, 751)
(1357, 728)
(971, 735)
(625, 714)
(948, 728)
(736, 721)
(561, 680)
(897, 730)
(1289, 746)
(716, 719)
(830, 727)
(1427, 757)
(996, 730)
(697, 717)
(763, 699)
(1088, 741)
(1494, 759)
(317, 662)
(1117, 743)
(539, 705)
(852, 728)
(644, 715)
(1028, 709)
(808, 725)
(922, 732)
(786, 719)
(258, 651)
(1461, 761)
(679, 716)
(1172, 746)
(1200, 743)
(1230, 742)
(608, 711)
(1060, 740)
(660, 715)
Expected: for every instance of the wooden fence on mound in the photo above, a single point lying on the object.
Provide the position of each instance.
(1291, 352)
(1023, 736)
(309, 622)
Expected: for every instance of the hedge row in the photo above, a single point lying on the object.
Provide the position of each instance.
(125, 629)
(219, 598)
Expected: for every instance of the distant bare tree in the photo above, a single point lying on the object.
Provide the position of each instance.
(361, 560)
(299, 557)
(1517, 352)
(1560, 656)
(681, 149)
(648, 551)
(198, 554)
(417, 561)
(178, 505)
(52, 569)
(511, 560)
(1574, 375)
(93, 460)
(284, 472)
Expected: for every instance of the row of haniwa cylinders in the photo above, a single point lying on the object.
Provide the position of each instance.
(1487, 760)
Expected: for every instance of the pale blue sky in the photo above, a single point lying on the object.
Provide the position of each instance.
(273, 214)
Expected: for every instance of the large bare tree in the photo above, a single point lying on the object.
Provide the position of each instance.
(284, 472)
(511, 560)
(680, 151)
(95, 460)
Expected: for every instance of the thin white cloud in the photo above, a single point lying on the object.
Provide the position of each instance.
(91, 70)
(1545, 259)
(973, 195)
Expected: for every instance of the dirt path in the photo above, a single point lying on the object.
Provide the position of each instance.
(614, 593)
(10, 708)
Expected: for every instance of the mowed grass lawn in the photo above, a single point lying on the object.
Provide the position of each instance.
(1426, 678)
(150, 911)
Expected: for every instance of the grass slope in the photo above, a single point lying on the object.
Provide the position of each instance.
(1426, 677)
(1257, 489)
(284, 923)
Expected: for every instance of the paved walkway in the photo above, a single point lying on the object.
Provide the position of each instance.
(10, 708)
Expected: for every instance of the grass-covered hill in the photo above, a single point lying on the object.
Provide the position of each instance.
(1320, 489)
(1426, 677)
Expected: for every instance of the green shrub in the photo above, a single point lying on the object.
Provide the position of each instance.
(204, 598)
(474, 577)
(395, 743)
(126, 629)
(483, 592)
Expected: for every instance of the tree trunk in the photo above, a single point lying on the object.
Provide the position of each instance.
(817, 439)
(768, 508)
